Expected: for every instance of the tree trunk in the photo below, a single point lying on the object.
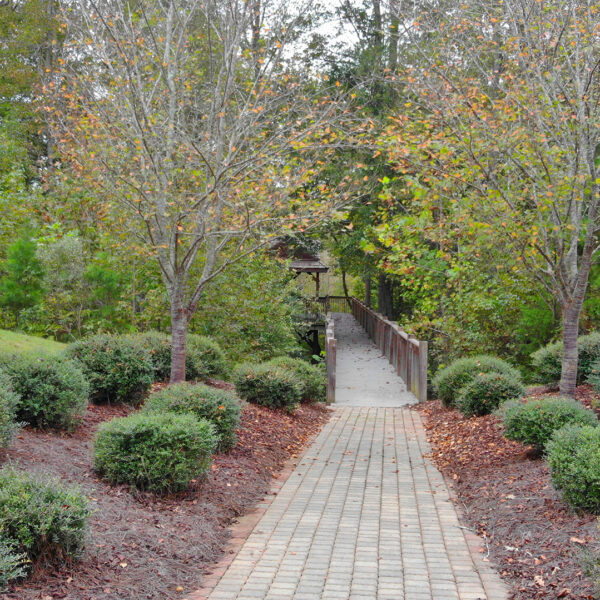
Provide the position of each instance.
(346, 293)
(384, 289)
(179, 326)
(568, 379)
(368, 291)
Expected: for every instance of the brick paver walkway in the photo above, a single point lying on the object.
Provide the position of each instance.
(364, 516)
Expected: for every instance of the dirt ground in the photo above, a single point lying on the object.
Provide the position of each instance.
(143, 547)
(531, 536)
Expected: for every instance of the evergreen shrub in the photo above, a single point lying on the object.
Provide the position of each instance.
(161, 453)
(53, 390)
(221, 407)
(312, 377)
(8, 411)
(41, 518)
(547, 361)
(119, 368)
(448, 382)
(268, 385)
(534, 422)
(486, 392)
(573, 456)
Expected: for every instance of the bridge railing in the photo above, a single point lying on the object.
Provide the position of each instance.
(335, 304)
(407, 354)
(330, 358)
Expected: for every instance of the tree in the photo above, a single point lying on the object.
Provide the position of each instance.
(190, 118)
(501, 139)
(21, 287)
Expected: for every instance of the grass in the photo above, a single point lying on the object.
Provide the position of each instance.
(12, 342)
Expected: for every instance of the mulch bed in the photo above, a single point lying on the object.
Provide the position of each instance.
(530, 535)
(144, 547)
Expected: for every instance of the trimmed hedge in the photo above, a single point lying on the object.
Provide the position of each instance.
(535, 421)
(220, 407)
(448, 382)
(547, 361)
(160, 453)
(487, 392)
(312, 377)
(8, 414)
(118, 368)
(12, 563)
(268, 385)
(573, 456)
(41, 518)
(206, 358)
(53, 390)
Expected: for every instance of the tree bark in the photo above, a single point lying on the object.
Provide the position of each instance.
(386, 306)
(568, 379)
(179, 327)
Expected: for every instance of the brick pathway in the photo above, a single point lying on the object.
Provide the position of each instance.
(364, 516)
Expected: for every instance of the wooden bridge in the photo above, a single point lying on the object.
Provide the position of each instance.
(406, 354)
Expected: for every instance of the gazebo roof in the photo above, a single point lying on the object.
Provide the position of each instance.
(308, 265)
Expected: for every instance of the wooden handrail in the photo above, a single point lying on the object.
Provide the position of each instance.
(330, 358)
(404, 351)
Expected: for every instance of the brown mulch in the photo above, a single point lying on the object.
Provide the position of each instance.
(143, 547)
(530, 535)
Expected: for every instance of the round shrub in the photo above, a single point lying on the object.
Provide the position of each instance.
(159, 347)
(535, 421)
(573, 456)
(268, 385)
(448, 382)
(53, 390)
(8, 412)
(204, 358)
(547, 361)
(220, 407)
(487, 392)
(118, 368)
(161, 453)
(12, 563)
(41, 518)
(311, 377)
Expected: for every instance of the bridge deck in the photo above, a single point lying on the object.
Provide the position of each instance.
(364, 377)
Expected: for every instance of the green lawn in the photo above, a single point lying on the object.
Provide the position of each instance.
(11, 342)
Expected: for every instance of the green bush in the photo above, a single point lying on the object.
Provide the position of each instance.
(118, 368)
(448, 382)
(547, 361)
(204, 358)
(268, 385)
(312, 377)
(159, 346)
(157, 452)
(12, 563)
(487, 392)
(534, 422)
(220, 407)
(41, 518)
(573, 456)
(53, 390)
(8, 412)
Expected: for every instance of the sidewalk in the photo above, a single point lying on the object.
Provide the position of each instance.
(365, 515)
